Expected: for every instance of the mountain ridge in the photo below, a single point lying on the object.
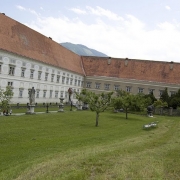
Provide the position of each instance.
(82, 50)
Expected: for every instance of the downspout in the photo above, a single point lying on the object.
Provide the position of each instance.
(82, 65)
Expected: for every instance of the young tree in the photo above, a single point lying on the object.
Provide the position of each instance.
(97, 102)
(160, 103)
(129, 101)
(123, 100)
(5, 97)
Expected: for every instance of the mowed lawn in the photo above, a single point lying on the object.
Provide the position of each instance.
(68, 146)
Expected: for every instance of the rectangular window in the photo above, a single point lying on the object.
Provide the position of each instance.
(128, 88)
(51, 92)
(161, 92)
(52, 77)
(75, 82)
(66, 94)
(67, 80)
(106, 86)
(37, 93)
(79, 83)
(10, 84)
(63, 80)
(97, 85)
(20, 93)
(46, 76)
(151, 91)
(82, 83)
(39, 75)
(71, 81)
(23, 72)
(58, 78)
(0, 68)
(140, 90)
(44, 94)
(62, 94)
(116, 87)
(11, 70)
(88, 84)
(56, 94)
(31, 74)
(172, 93)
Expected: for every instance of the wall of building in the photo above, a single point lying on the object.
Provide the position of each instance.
(135, 86)
(22, 82)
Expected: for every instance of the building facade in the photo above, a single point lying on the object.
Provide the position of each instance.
(50, 82)
(29, 59)
(131, 75)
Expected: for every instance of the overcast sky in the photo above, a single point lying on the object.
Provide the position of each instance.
(137, 29)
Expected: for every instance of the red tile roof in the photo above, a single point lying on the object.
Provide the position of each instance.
(20, 39)
(157, 71)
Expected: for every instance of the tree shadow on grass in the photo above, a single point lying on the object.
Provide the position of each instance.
(122, 117)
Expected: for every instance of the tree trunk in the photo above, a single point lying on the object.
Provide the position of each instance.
(126, 113)
(97, 117)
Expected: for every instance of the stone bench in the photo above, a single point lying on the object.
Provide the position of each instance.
(150, 125)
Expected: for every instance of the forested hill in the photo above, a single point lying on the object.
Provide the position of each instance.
(82, 50)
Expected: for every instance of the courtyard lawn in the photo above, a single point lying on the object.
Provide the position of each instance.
(68, 146)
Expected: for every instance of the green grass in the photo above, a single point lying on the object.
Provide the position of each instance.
(69, 146)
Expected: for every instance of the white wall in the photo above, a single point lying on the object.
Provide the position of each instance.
(25, 83)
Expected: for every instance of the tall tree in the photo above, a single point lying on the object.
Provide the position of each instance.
(151, 96)
(175, 100)
(5, 97)
(97, 102)
(165, 96)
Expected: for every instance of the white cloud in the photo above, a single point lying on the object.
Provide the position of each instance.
(127, 38)
(103, 12)
(78, 11)
(28, 10)
(167, 7)
(20, 7)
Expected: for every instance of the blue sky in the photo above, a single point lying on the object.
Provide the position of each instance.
(137, 29)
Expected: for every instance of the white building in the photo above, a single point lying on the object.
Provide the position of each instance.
(29, 59)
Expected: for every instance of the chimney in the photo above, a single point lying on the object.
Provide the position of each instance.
(109, 60)
(171, 65)
(126, 62)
